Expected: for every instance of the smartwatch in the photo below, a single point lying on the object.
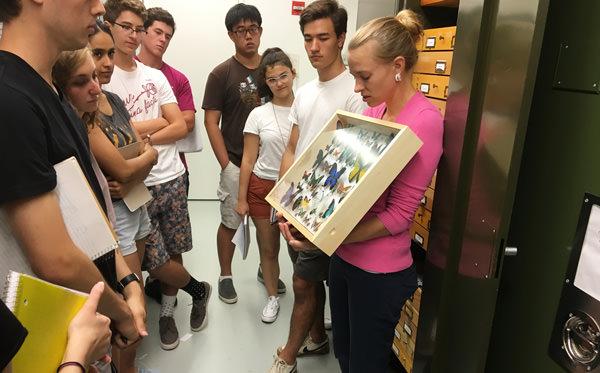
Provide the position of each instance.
(126, 280)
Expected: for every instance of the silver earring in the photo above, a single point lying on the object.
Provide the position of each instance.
(398, 77)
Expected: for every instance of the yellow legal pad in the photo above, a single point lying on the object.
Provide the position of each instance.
(45, 310)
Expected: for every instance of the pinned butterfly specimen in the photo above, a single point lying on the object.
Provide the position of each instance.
(358, 171)
(325, 166)
(288, 196)
(306, 175)
(334, 176)
(329, 210)
(304, 204)
(313, 181)
(296, 203)
(320, 157)
(343, 189)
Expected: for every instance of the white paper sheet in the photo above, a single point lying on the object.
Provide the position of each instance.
(241, 238)
(587, 277)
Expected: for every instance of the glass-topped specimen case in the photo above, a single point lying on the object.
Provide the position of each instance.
(341, 174)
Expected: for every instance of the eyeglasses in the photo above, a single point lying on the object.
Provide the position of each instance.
(241, 32)
(130, 29)
(283, 77)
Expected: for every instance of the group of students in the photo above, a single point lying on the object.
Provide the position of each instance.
(256, 125)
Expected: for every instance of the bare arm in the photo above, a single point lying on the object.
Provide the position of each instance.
(190, 119)
(38, 225)
(251, 142)
(288, 155)
(148, 127)
(211, 121)
(176, 130)
(112, 162)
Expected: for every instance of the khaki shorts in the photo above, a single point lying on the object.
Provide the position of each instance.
(228, 193)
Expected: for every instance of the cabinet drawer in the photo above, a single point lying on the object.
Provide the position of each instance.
(438, 39)
(434, 86)
(419, 234)
(439, 63)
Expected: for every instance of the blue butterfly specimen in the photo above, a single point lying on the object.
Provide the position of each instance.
(329, 210)
(320, 157)
(334, 176)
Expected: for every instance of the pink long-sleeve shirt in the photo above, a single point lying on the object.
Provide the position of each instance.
(397, 205)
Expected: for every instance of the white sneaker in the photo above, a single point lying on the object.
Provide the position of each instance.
(280, 366)
(271, 310)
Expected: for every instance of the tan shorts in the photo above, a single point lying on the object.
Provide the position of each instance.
(228, 193)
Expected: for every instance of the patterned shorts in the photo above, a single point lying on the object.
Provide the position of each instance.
(171, 232)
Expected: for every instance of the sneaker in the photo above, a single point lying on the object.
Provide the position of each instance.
(152, 290)
(226, 291)
(311, 348)
(281, 289)
(199, 315)
(169, 336)
(280, 366)
(271, 310)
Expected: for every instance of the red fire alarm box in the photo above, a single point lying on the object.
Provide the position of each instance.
(297, 7)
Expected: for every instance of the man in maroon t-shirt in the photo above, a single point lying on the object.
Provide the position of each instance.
(160, 27)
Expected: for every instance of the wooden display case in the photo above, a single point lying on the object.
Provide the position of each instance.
(345, 169)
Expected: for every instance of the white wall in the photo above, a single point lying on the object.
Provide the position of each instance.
(201, 42)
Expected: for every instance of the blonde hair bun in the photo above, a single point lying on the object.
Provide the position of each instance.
(412, 22)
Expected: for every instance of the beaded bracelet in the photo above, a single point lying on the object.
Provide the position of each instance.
(70, 363)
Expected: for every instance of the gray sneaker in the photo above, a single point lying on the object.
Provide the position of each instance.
(280, 285)
(199, 315)
(169, 336)
(227, 292)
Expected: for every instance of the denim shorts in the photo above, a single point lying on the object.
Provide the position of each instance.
(131, 226)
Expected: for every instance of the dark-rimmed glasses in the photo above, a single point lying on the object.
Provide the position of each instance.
(242, 31)
(130, 29)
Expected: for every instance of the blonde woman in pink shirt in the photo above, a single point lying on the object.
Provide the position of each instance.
(372, 274)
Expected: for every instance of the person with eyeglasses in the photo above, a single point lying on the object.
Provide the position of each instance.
(266, 133)
(154, 113)
(230, 95)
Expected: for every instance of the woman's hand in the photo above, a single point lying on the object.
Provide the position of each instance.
(153, 152)
(242, 207)
(89, 332)
(119, 190)
(295, 239)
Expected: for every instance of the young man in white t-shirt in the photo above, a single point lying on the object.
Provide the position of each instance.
(323, 25)
(154, 113)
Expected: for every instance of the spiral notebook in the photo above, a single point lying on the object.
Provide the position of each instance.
(45, 310)
(85, 220)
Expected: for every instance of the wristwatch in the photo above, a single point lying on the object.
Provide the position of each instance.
(126, 280)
